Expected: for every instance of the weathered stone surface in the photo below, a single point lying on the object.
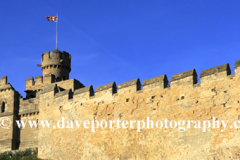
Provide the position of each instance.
(6, 86)
(9, 104)
(199, 102)
(3, 80)
(237, 64)
(85, 89)
(6, 114)
(107, 86)
(57, 63)
(217, 95)
(63, 93)
(162, 79)
(38, 77)
(129, 83)
(49, 88)
(184, 75)
(217, 69)
(29, 79)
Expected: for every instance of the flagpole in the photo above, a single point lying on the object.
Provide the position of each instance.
(57, 34)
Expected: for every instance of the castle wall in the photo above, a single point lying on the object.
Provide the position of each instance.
(29, 107)
(40, 82)
(28, 111)
(55, 66)
(72, 84)
(217, 95)
(9, 138)
(29, 136)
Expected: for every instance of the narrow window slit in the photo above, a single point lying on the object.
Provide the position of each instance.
(3, 107)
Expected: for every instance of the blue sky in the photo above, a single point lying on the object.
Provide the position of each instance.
(119, 40)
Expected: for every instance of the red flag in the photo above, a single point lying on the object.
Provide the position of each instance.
(52, 18)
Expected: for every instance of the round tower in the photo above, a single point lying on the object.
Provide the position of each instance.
(57, 63)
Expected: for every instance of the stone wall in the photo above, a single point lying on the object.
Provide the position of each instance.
(40, 82)
(9, 103)
(29, 107)
(217, 95)
(28, 110)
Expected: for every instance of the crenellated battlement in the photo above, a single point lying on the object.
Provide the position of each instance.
(110, 88)
(33, 87)
(88, 90)
(56, 57)
(4, 85)
(222, 68)
(185, 98)
(39, 82)
(157, 82)
(3, 80)
(180, 80)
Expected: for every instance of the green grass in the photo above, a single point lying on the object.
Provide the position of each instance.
(28, 154)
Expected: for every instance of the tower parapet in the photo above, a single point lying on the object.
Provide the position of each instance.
(56, 63)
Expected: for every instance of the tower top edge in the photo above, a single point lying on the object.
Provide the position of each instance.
(56, 51)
